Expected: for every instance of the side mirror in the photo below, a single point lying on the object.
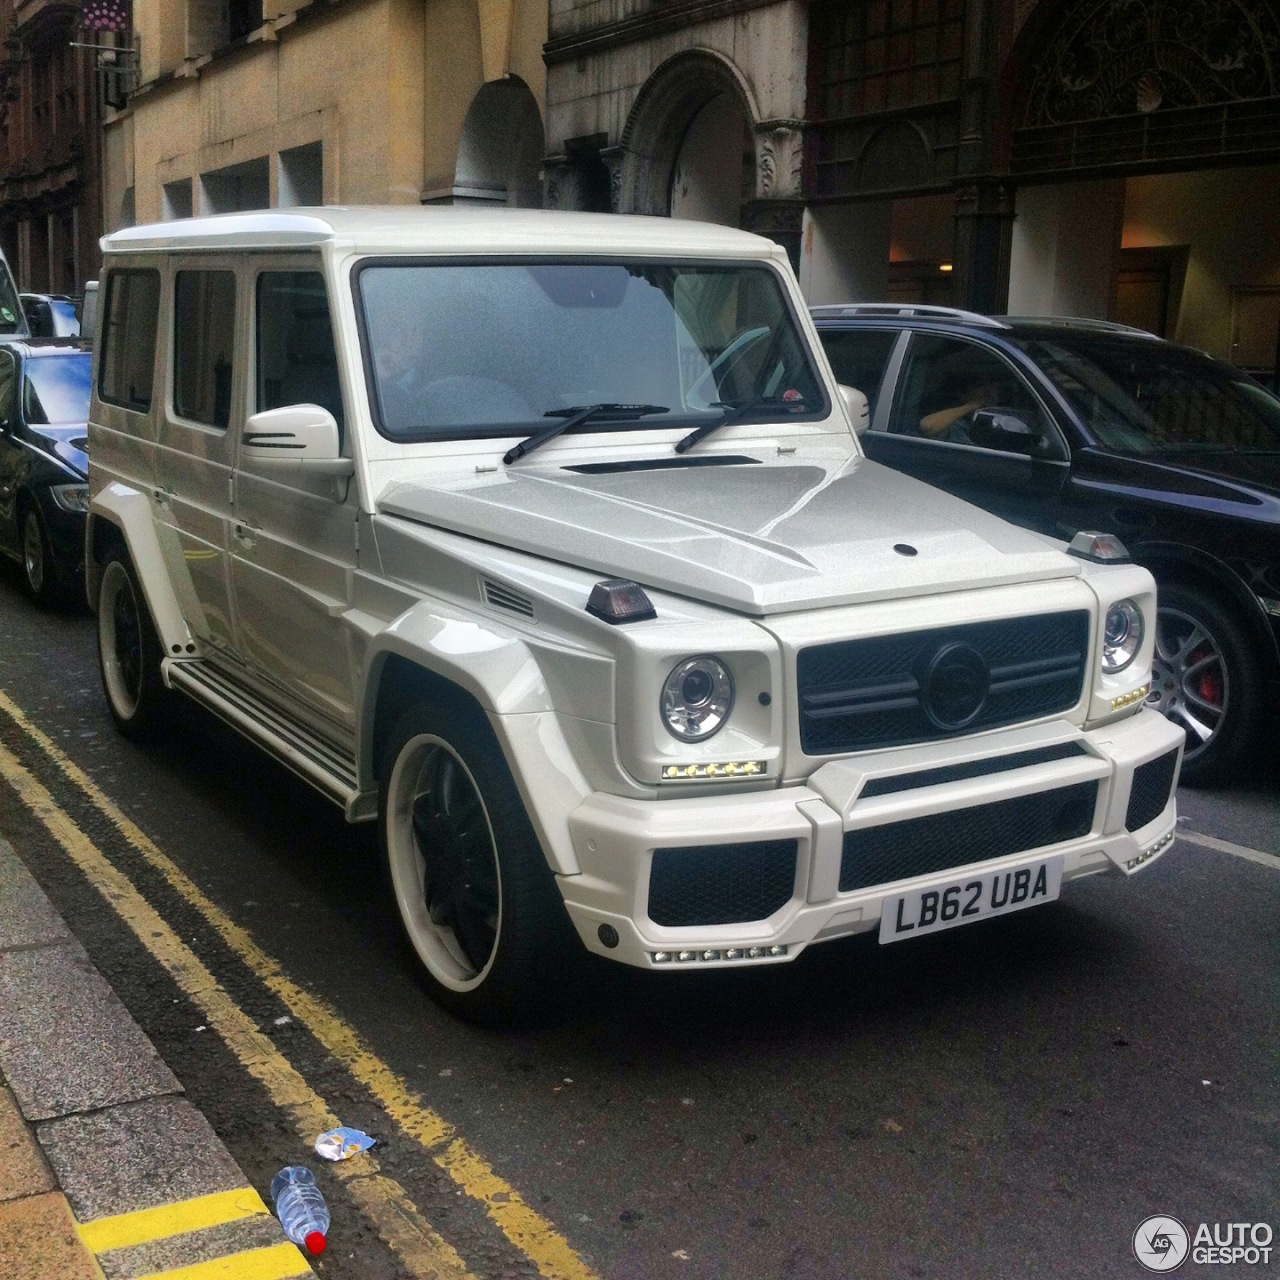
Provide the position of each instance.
(295, 437)
(855, 405)
(1005, 430)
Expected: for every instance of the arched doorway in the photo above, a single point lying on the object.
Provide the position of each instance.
(500, 149)
(688, 146)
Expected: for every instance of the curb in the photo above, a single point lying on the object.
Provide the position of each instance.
(108, 1172)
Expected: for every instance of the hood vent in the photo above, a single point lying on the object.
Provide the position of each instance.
(500, 597)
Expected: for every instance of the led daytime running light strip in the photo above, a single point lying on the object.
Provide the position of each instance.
(716, 769)
(712, 954)
(1147, 854)
(1128, 699)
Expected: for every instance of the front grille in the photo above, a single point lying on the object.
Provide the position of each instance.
(960, 837)
(1152, 783)
(971, 769)
(721, 883)
(924, 685)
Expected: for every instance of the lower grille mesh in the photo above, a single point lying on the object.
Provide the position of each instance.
(721, 883)
(1152, 783)
(920, 846)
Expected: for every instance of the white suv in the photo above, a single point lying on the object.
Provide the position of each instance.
(546, 540)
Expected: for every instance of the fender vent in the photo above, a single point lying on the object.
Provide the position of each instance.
(501, 597)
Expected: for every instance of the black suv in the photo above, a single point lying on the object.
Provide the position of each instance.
(1062, 425)
(44, 493)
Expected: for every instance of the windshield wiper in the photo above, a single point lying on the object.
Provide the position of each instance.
(574, 416)
(735, 413)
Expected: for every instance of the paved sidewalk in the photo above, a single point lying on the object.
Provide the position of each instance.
(106, 1171)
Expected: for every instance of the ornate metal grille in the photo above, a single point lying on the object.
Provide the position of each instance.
(1151, 81)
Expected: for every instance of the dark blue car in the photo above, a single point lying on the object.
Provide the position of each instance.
(1063, 425)
(44, 408)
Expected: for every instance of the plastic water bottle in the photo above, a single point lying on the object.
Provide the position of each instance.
(301, 1208)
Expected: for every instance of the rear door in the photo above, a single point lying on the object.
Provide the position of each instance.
(196, 443)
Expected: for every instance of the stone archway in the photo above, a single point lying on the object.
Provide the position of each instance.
(690, 122)
(500, 148)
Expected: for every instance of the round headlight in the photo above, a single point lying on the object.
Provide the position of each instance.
(1122, 636)
(697, 698)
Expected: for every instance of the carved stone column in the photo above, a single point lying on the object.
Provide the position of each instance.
(779, 159)
(778, 208)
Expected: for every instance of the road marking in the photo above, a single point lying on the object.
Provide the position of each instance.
(383, 1201)
(531, 1233)
(275, 1262)
(1225, 846)
(144, 1225)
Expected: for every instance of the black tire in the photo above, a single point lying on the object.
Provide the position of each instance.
(1208, 679)
(474, 896)
(129, 653)
(39, 573)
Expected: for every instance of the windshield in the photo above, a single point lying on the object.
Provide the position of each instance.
(56, 389)
(493, 350)
(1138, 396)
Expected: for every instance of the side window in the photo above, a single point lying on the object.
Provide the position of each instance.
(128, 339)
(8, 384)
(858, 358)
(204, 328)
(296, 360)
(957, 391)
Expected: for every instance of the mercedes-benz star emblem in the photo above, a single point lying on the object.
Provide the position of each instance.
(955, 687)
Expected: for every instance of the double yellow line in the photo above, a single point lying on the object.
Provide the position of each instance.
(382, 1200)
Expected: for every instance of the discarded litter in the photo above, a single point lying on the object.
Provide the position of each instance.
(301, 1208)
(343, 1143)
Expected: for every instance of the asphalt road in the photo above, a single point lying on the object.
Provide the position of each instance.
(1007, 1100)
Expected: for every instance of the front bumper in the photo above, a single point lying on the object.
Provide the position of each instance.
(1080, 783)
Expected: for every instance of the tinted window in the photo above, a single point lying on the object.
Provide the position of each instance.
(946, 382)
(475, 350)
(1154, 397)
(858, 358)
(7, 375)
(128, 338)
(296, 360)
(12, 319)
(204, 326)
(56, 388)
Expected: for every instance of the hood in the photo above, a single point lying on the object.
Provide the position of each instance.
(67, 443)
(758, 536)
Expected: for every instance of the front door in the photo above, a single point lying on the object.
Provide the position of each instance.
(947, 396)
(293, 546)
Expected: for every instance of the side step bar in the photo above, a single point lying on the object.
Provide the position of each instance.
(314, 759)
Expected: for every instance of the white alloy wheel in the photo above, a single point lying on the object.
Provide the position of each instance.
(443, 863)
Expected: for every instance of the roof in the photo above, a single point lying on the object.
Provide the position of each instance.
(45, 346)
(916, 313)
(447, 229)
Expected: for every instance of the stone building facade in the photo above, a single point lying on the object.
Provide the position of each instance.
(51, 101)
(1106, 158)
(266, 103)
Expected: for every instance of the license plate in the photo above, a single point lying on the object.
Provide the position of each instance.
(995, 893)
